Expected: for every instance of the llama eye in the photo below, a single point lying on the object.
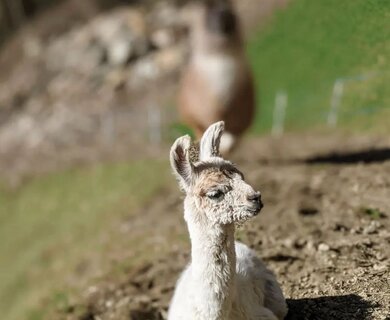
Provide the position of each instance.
(215, 195)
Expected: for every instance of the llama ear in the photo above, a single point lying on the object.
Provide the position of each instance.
(209, 145)
(180, 161)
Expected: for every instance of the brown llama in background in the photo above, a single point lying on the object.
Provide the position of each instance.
(217, 84)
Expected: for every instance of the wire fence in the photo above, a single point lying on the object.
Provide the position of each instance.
(151, 122)
(337, 107)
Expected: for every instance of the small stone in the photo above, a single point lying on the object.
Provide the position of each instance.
(109, 304)
(145, 69)
(323, 247)
(310, 245)
(288, 243)
(163, 38)
(119, 52)
(372, 227)
(91, 292)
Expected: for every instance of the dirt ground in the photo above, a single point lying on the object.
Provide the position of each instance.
(324, 231)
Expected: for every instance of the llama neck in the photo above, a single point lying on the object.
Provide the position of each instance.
(221, 72)
(204, 42)
(213, 269)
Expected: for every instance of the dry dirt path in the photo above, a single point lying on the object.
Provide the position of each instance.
(325, 231)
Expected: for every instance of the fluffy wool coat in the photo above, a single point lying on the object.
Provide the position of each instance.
(225, 280)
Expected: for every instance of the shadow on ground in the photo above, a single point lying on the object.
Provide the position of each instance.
(364, 156)
(348, 307)
(145, 315)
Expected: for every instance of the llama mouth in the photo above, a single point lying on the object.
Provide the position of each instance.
(254, 211)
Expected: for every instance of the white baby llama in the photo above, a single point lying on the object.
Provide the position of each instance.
(225, 280)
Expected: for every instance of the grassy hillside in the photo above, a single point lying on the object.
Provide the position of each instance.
(53, 222)
(309, 45)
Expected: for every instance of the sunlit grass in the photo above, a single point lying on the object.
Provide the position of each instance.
(48, 224)
(309, 45)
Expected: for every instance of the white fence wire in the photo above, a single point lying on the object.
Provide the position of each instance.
(335, 105)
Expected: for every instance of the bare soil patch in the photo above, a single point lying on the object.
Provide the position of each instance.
(325, 232)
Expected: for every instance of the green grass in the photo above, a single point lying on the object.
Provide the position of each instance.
(309, 45)
(51, 222)
(373, 213)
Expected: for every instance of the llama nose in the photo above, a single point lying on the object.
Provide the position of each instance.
(255, 198)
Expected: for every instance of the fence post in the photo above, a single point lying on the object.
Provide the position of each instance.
(279, 115)
(337, 93)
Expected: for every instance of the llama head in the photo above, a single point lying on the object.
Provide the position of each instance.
(220, 18)
(215, 189)
(214, 25)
